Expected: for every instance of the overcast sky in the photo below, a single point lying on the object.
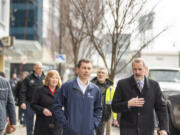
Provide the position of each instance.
(167, 13)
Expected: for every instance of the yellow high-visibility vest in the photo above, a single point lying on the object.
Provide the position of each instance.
(109, 95)
(109, 98)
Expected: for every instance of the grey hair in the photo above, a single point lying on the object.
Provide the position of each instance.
(139, 60)
(103, 68)
(37, 63)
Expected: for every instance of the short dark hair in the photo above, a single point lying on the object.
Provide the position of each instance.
(2, 74)
(83, 61)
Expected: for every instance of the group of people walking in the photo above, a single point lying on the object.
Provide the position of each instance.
(84, 107)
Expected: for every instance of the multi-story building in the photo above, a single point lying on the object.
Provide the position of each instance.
(4, 27)
(27, 19)
(30, 25)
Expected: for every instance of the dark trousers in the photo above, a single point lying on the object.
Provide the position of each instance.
(100, 128)
(21, 116)
(29, 119)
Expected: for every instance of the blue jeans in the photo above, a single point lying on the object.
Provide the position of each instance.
(29, 119)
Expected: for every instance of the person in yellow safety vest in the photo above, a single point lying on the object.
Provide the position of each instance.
(107, 91)
(109, 96)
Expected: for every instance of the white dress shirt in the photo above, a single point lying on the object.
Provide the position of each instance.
(82, 85)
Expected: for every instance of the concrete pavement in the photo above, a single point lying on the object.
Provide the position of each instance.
(20, 130)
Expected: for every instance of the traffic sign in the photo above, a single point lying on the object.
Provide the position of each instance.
(60, 58)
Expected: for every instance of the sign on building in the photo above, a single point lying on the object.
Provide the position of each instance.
(7, 41)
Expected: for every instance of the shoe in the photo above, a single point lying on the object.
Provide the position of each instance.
(21, 122)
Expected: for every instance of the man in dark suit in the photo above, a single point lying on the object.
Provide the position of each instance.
(28, 87)
(135, 98)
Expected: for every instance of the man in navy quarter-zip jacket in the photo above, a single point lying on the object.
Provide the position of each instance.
(81, 100)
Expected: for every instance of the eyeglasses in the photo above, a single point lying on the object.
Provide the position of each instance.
(39, 68)
(101, 72)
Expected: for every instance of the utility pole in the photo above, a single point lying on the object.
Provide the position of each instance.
(60, 33)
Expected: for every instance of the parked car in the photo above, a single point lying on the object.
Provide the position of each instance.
(169, 80)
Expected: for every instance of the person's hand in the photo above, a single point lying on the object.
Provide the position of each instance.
(7, 119)
(10, 129)
(162, 132)
(115, 123)
(136, 102)
(23, 106)
(13, 127)
(46, 112)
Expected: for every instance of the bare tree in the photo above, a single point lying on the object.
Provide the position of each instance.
(116, 29)
(112, 28)
(73, 27)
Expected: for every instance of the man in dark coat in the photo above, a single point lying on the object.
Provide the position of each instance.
(135, 98)
(13, 82)
(30, 84)
(21, 112)
(81, 100)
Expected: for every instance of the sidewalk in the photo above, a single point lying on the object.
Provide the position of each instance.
(20, 130)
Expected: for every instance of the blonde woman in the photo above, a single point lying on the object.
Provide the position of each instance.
(42, 102)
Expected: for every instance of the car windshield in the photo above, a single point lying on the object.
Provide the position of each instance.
(165, 75)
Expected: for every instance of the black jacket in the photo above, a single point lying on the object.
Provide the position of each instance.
(139, 121)
(17, 91)
(106, 110)
(44, 99)
(29, 85)
(13, 83)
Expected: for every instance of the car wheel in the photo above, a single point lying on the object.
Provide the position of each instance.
(172, 129)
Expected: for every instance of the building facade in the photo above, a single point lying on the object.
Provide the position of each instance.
(26, 21)
(29, 24)
(4, 27)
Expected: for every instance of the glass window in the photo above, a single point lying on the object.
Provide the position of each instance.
(23, 18)
(20, 1)
(165, 75)
(28, 36)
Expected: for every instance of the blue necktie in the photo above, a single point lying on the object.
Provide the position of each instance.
(39, 77)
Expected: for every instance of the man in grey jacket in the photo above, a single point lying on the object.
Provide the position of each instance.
(7, 106)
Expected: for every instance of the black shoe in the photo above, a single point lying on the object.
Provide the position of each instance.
(21, 122)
